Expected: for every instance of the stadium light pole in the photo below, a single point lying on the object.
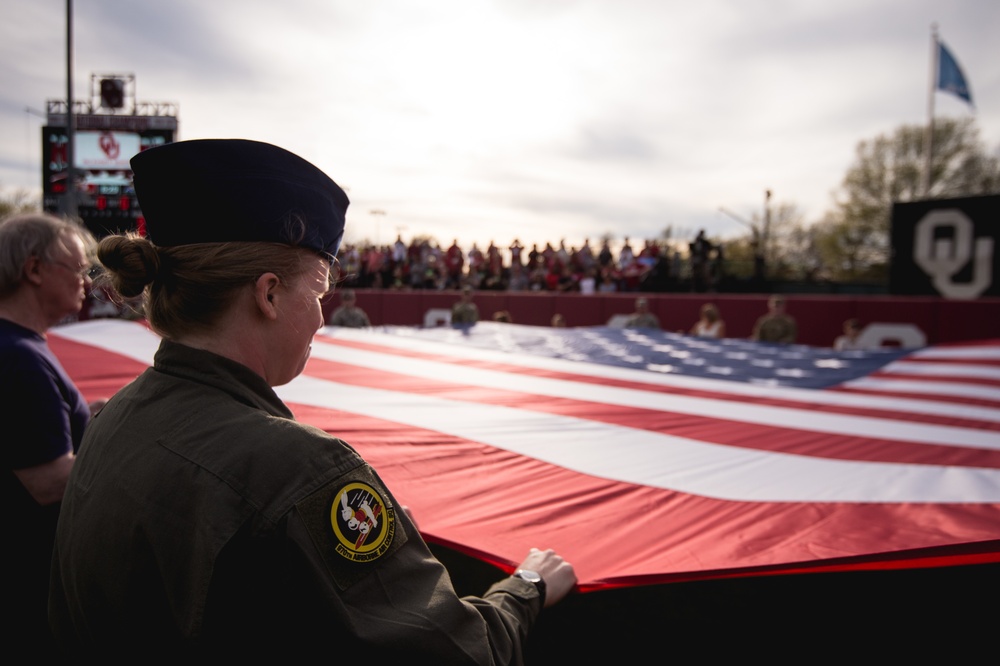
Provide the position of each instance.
(69, 199)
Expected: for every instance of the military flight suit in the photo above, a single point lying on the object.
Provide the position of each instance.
(350, 317)
(464, 313)
(775, 328)
(201, 518)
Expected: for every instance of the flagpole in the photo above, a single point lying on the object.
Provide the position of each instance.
(925, 186)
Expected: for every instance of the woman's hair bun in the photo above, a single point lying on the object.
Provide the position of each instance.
(131, 261)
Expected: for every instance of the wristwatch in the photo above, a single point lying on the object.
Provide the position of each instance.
(533, 578)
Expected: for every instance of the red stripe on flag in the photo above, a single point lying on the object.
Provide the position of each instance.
(96, 372)
(491, 501)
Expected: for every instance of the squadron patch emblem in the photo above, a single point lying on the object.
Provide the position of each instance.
(361, 521)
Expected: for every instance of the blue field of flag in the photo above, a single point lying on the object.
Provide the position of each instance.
(730, 359)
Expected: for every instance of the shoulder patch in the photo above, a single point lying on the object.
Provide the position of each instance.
(362, 522)
(353, 523)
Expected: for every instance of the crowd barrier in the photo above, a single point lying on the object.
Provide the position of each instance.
(820, 318)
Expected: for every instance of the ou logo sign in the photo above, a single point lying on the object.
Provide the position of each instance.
(943, 255)
(109, 145)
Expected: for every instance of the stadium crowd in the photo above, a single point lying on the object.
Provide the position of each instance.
(424, 264)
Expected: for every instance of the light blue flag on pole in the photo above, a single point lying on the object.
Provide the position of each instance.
(950, 77)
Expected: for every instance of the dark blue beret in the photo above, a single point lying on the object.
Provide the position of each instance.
(219, 190)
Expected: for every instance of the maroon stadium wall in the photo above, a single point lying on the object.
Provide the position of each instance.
(820, 318)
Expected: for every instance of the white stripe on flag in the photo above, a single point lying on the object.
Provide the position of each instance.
(126, 338)
(967, 353)
(653, 459)
(954, 389)
(963, 370)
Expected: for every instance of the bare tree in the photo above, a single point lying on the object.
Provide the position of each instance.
(18, 201)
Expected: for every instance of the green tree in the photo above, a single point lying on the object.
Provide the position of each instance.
(854, 238)
(739, 253)
(801, 258)
(790, 248)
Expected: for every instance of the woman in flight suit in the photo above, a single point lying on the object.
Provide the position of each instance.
(200, 516)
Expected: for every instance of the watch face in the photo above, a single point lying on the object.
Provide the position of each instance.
(528, 575)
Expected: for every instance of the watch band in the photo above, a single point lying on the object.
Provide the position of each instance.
(535, 579)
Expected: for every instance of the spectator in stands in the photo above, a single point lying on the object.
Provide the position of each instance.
(538, 278)
(399, 250)
(494, 260)
(455, 262)
(626, 256)
(552, 275)
(518, 278)
(379, 270)
(604, 257)
(586, 256)
(44, 278)
(776, 325)
(850, 340)
(700, 249)
(516, 249)
(717, 271)
(493, 279)
(642, 317)
(465, 311)
(650, 251)
(565, 280)
(711, 324)
(632, 274)
(609, 279)
(349, 315)
(477, 265)
(562, 254)
(657, 274)
(548, 256)
(535, 258)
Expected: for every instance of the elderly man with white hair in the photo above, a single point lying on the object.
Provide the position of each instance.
(44, 278)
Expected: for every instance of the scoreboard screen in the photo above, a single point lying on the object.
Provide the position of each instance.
(105, 197)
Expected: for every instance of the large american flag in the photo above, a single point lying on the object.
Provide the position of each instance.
(644, 456)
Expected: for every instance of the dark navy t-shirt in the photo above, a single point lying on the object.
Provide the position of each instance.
(44, 416)
(38, 400)
(43, 413)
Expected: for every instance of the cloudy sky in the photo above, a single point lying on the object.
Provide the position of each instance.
(533, 119)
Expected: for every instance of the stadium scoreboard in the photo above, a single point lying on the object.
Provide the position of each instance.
(102, 147)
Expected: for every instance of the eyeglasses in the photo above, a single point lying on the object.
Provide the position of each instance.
(83, 272)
